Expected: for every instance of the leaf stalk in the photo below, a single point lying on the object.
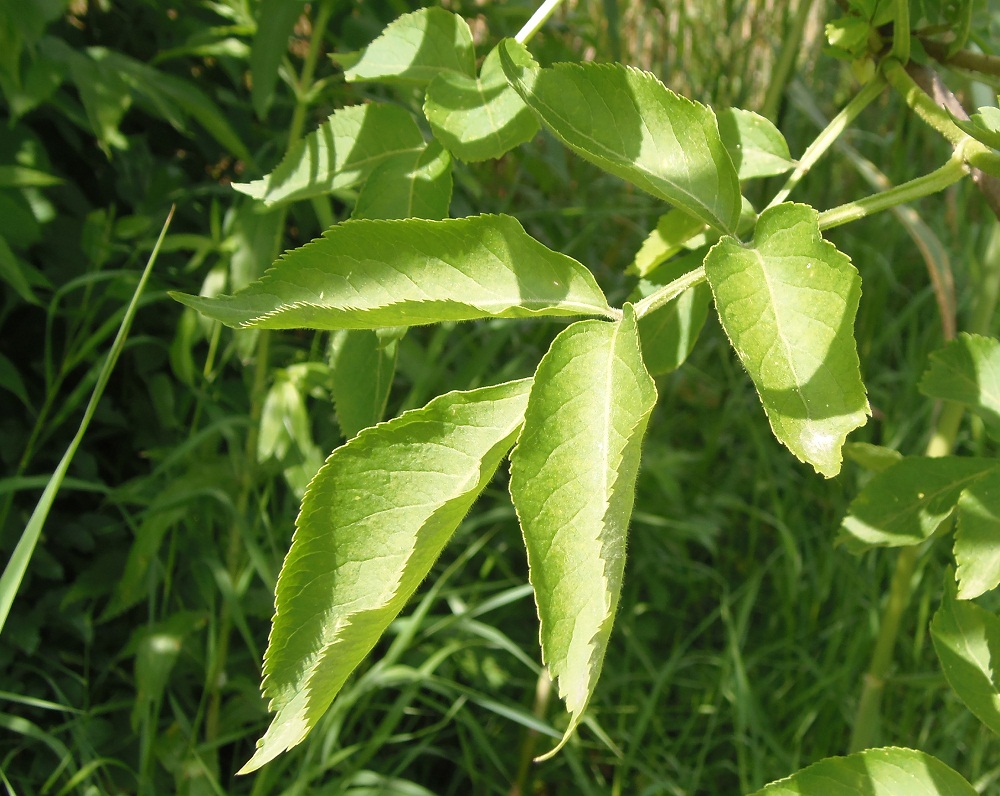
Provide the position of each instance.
(669, 292)
(539, 18)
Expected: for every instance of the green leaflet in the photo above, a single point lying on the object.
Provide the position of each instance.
(410, 185)
(977, 537)
(364, 363)
(673, 229)
(628, 123)
(906, 503)
(573, 482)
(787, 302)
(373, 521)
(756, 146)
(275, 22)
(368, 274)
(340, 153)
(890, 771)
(967, 370)
(983, 125)
(966, 637)
(415, 49)
(482, 118)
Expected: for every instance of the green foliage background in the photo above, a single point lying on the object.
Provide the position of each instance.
(130, 662)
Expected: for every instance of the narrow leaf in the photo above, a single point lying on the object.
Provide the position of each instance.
(373, 521)
(275, 21)
(756, 146)
(967, 370)
(977, 537)
(416, 48)
(369, 274)
(573, 482)
(874, 772)
(906, 503)
(482, 118)
(966, 637)
(788, 302)
(340, 153)
(628, 123)
(410, 185)
(363, 368)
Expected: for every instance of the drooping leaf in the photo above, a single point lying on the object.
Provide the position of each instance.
(573, 482)
(416, 48)
(890, 771)
(673, 229)
(364, 364)
(967, 370)
(977, 537)
(373, 521)
(275, 21)
(410, 185)
(966, 638)
(906, 503)
(630, 124)
(756, 146)
(788, 302)
(340, 153)
(482, 118)
(369, 274)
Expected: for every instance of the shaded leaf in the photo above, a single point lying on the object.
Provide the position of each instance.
(756, 146)
(787, 302)
(890, 771)
(630, 124)
(977, 537)
(673, 230)
(967, 370)
(874, 458)
(906, 503)
(373, 521)
(482, 118)
(573, 483)
(275, 21)
(410, 185)
(369, 274)
(416, 48)
(340, 153)
(363, 368)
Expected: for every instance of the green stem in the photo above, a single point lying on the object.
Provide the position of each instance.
(901, 31)
(921, 103)
(826, 139)
(964, 59)
(939, 179)
(669, 292)
(539, 18)
(782, 71)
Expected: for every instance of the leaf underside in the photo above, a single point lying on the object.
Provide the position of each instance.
(573, 482)
(373, 521)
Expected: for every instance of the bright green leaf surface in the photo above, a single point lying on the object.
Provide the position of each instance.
(416, 48)
(787, 302)
(483, 118)
(966, 637)
(628, 123)
(756, 146)
(410, 185)
(363, 368)
(373, 521)
(977, 538)
(673, 230)
(573, 481)
(983, 126)
(967, 370)
(369, 274)
(906, 503)
(341, 152)
(875, 772)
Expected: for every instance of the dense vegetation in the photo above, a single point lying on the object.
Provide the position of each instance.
(131, 656)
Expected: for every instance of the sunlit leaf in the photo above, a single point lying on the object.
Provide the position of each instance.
(573, 483)
(630, 124)
(967, 370)
(369, 274)
(977, 537)
(788, 301)
(673, 230)
(983, 126)
(757, 147)
(409, 185)
(373, 521)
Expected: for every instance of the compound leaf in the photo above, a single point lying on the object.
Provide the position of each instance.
(373, 521)
(787, 302)
(573, 483)
(967, 370)
(977, 537)
(340, 153)
(890, 771)
(482, 118)
(409, 185)
(368, 274)
(630, 124)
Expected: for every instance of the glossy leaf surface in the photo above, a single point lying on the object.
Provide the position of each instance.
(787, 302)
(373, 521)
(573, 483)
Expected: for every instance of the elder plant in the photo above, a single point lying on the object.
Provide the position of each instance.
(377, 514)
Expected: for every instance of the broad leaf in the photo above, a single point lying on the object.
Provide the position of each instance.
(573, 482)
(966, 637)
(416, 48)
(373, 521)
(787, 302)
(906, 503)
(977, 537)
(410, 185)
(874, 772)
(369, 274)
(628, 123)
(340, 153)
(482, 118)
(874, 458)
(967, 370)
(364, 363)
(757, 147)
(673, 230)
